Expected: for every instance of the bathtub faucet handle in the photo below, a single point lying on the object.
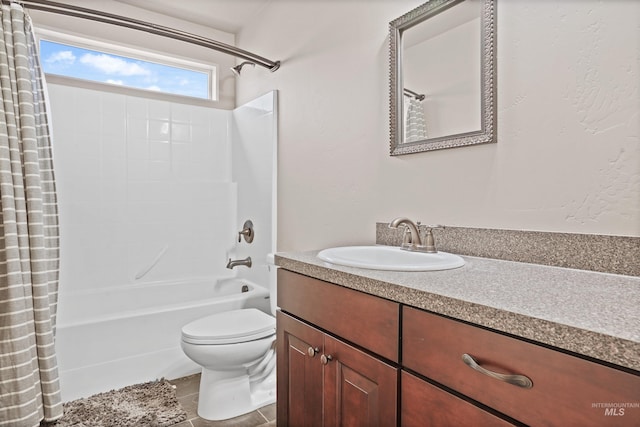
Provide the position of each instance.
(247, 232)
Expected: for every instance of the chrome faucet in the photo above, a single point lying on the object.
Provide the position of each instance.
(236, 262)
(414, 238)
(414, 241)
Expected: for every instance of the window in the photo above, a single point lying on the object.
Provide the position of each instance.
(135, 69)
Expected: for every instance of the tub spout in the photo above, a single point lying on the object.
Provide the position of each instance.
(236, 262)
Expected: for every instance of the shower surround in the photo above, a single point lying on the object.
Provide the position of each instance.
(151, 195)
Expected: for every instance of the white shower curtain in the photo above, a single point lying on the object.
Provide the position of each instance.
(29, 243)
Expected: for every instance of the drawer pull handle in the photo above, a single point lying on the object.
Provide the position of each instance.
(519, 380)
(324, 359)
(312, 351)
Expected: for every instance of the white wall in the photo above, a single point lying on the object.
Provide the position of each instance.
(568, 156)
(253, 153)
(137, 178)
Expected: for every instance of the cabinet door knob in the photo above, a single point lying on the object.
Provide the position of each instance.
(518, 380)
(326, 358)
(311, 351)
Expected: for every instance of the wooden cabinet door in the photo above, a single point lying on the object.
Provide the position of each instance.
(299, 373)
(359, 390)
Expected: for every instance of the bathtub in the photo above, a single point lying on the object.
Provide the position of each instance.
(111, 338)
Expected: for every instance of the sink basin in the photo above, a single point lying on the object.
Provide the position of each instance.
(389, 258)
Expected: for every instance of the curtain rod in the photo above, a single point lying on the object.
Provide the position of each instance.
(416, 95)
(109, 18)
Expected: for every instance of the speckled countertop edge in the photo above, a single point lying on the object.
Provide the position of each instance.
(588, 313)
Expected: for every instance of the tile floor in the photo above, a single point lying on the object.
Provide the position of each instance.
(187, 393)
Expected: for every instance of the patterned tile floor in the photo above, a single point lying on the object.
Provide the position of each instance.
(187, 393)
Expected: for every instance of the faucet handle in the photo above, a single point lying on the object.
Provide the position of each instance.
(428, 240)
(247, 232)
(434, 227)
(427, 228)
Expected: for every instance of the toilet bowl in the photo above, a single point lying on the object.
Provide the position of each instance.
(236, 350)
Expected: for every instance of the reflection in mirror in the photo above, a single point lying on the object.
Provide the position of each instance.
(443, 76)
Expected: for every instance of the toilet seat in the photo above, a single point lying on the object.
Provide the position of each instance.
(230, 327)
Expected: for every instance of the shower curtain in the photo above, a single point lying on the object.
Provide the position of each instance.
(29, 243)
(416, 126)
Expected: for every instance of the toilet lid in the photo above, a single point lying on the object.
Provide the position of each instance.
(230, 327)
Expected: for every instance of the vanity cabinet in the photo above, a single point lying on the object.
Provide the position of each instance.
(347, 358)
(528, 382)
(329, 382)
(332, 377)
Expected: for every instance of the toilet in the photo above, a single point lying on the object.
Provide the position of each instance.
(236, 350)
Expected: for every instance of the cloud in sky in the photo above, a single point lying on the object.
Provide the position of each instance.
(93, 65)
(113, 66)
(63, 57)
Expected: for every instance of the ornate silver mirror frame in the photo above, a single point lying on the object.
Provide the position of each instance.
(487, 131)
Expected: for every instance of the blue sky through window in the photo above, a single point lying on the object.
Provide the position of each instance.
(71, 61)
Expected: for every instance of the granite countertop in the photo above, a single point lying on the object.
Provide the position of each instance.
(592, 314)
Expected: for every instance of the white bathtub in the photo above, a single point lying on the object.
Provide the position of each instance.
(111, 338)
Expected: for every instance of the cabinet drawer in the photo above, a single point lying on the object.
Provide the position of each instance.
(424, 404)
(365, 320)
(566, 390)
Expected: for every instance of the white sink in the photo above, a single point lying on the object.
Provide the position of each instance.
(389, 258)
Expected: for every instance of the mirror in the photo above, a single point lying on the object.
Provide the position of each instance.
(443, 76)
